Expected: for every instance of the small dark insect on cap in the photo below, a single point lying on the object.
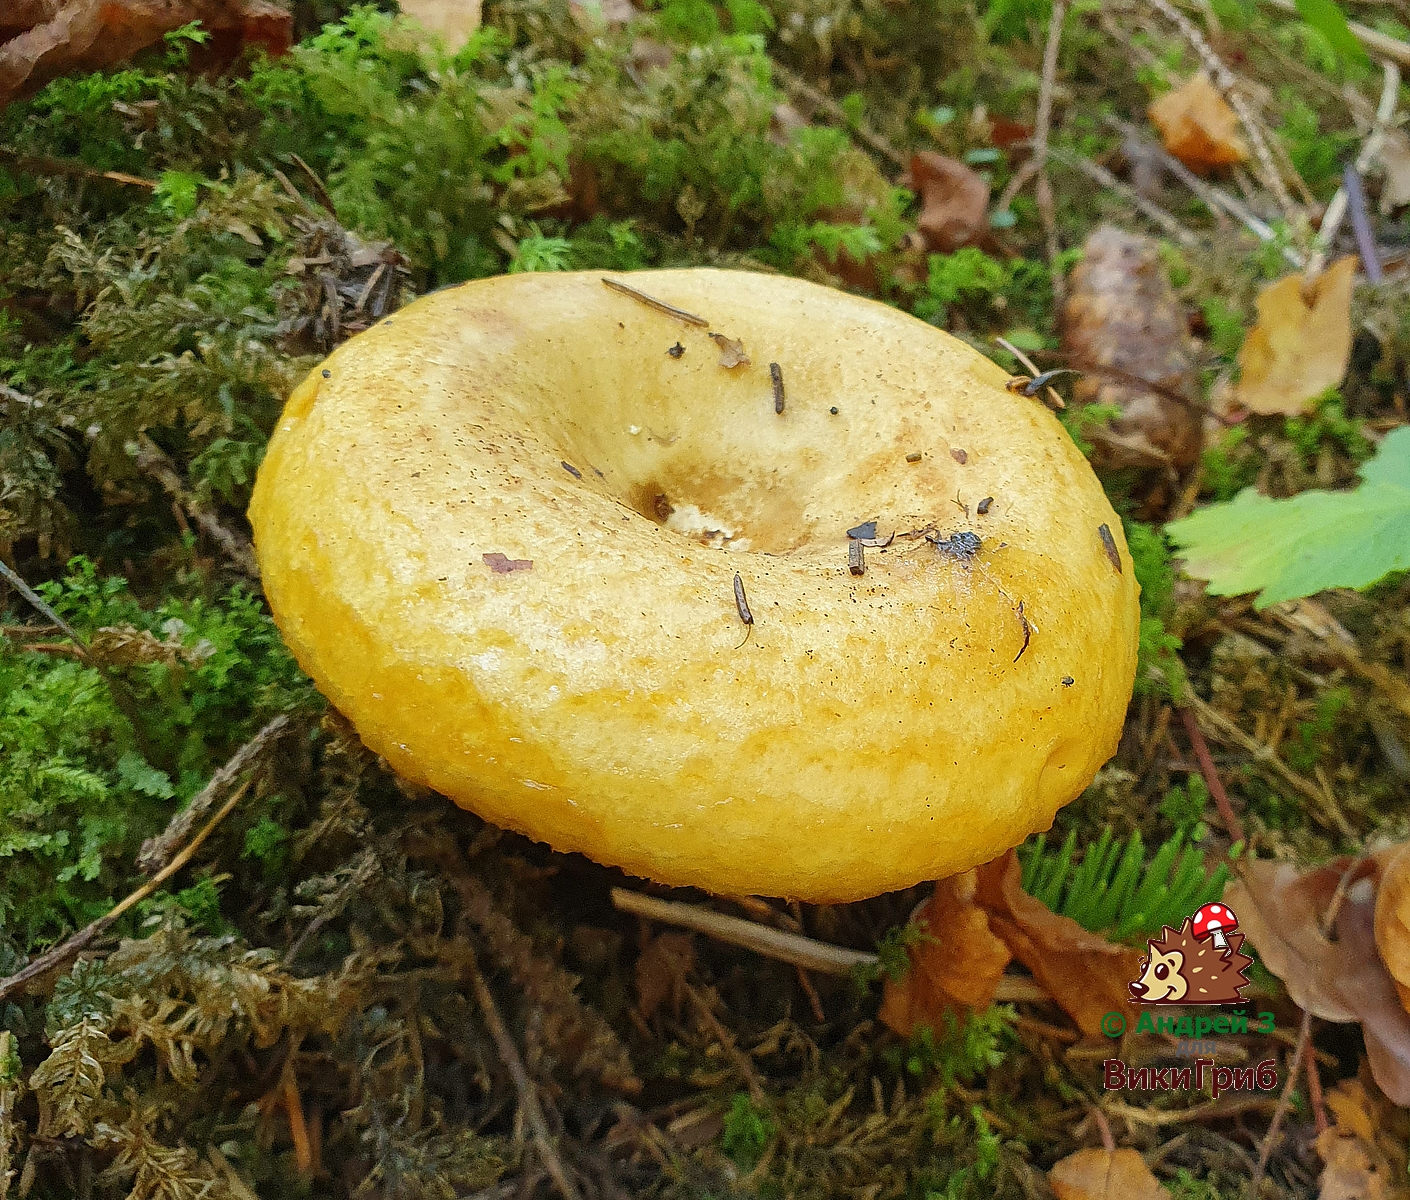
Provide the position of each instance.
(571, 469)
(1068, 681)
(1109, 544)
(327, 374)
(983, 505)
(913, 456)
(833, 410)
(676, 351)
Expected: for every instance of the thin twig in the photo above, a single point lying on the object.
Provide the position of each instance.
(1214, 198)
(796, 85)
(793, 948)
(70, 948)
(528, 1092)
(40, 164)
(1304, 1035)
(152, 459)
(1268, 757)
(1041, 130)
(156, 850)
(743, 1064)
(1053, 398)
(659, 305)
(122, 695)
(1147, 208)
(1374, 41)
(318, 189)
(1228, 86)
(1227, 814)
(1314, 1094)
(1370, 150)
(1361, 224)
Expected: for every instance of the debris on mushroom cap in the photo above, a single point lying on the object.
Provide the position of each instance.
(550, 699)
(731, 351)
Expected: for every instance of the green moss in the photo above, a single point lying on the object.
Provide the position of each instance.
(77, 792)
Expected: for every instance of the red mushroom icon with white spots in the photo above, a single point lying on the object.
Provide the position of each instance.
(1214, 920)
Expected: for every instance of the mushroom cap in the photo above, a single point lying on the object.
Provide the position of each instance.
(1213, 916)
(874, 731)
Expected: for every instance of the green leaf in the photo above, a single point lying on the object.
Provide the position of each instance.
(1327, 19)
(1287, 549)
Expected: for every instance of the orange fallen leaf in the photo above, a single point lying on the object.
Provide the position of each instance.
(1364, 1155)
(1301, 343)
(958, 965)
(1086, 974)
(1343, 980)
(1096, 1174)
(954, 202)
(453, 20)
(1393, 921)
(1198, 127)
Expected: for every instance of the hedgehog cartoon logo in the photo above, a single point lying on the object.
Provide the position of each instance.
(1202, 962)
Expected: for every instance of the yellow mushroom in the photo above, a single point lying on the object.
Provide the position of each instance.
(555, 551)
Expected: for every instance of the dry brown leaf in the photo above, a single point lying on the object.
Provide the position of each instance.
(731, 351)
(1301, 343)
(954, 202)
(453, 20)
(1125, 329)
(1393, 921)
(661, 971)
(1086, 974)
(1097, 1174)
(1395, 158)
(958, 966)
(1198, 126)
(1363, 1153)
(1342, 980)
(85, 35)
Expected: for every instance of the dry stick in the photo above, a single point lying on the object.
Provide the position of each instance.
(1211, 776)
(1057, 401)
(1147, 208)
(39, 164)
(777, 943)
(62, 953)
(151, 459)
(528, 1093)
(659, 305)
(156, 850)
(742, 1061)
(1304, 1035)
(122, 696)
(795, 85)
(1044, 193)
(1213, 197)
(1267, 756)
(1370, 150)
(1228, 86)
(1373, 40)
